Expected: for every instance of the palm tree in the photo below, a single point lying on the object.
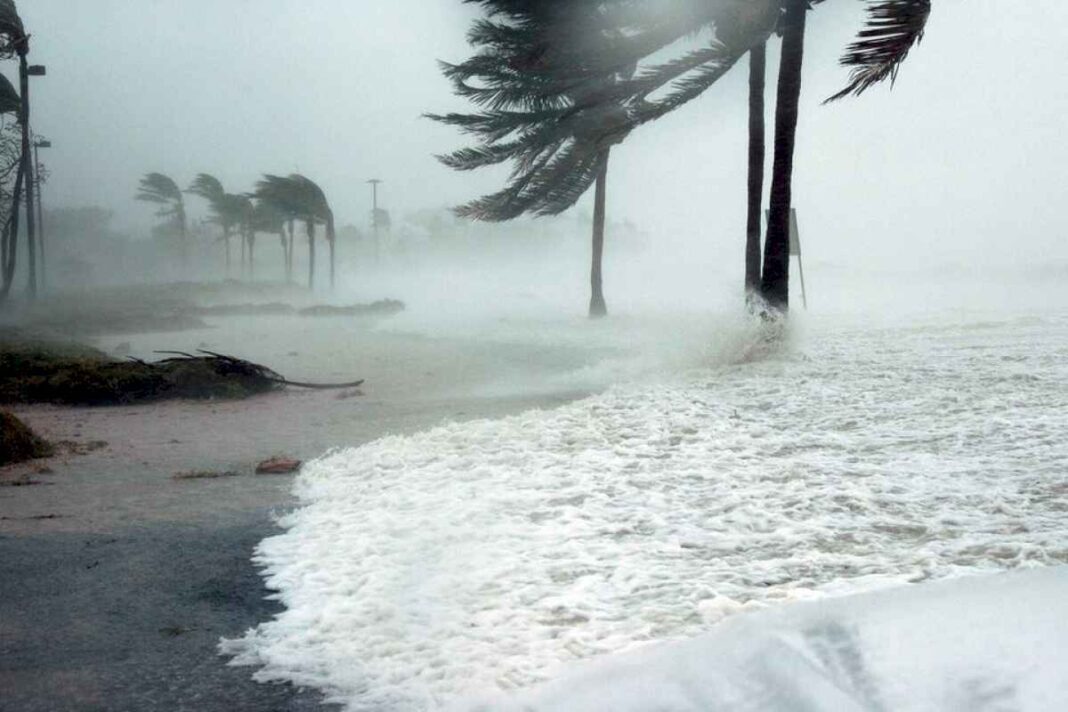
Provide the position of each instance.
(893, 27)
(536, 122)
(163, 191)
(775, 279)
(757, 75)
(268, 218)
(221, 206)
(277, 193)
(300, 198)
(239, 209)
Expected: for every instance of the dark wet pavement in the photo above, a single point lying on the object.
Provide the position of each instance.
(131, 619)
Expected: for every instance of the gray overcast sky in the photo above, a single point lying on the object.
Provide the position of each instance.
(965, 155)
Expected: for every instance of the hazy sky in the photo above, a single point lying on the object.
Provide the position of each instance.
(965, 156)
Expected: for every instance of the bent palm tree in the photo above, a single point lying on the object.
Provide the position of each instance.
(163, 191)
(211, 189)
(268, 218)
(893, 27)
(300, 198)
(535, 121)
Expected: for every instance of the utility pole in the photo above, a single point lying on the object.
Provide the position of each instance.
(39, 144)
(375, 182)
(25, 72)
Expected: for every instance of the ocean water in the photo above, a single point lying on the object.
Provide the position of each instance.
(733, 474)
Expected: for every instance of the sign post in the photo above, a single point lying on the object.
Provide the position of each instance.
(795, 249)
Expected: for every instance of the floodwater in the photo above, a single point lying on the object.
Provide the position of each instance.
(860, 453)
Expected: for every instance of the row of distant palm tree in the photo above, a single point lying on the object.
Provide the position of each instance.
(276, 204)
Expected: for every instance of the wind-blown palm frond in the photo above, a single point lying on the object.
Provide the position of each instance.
(893, 28)
(267, 217)
(10, 103)
(557, 82)
(158, 188)
(207, 187)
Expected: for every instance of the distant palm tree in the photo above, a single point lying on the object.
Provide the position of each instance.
(239, 208)
(302, 199)
(211, 189)
(163, 191)
(269, 218)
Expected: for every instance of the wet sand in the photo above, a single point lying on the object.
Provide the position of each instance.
(117, 579)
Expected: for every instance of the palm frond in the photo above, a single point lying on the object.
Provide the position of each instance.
(158, 188)
(893, 28)
(10, 103)
(12, 34)
(206, 186)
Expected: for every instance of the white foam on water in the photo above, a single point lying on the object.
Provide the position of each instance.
(490, 556)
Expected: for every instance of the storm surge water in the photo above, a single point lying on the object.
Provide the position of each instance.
(491, 555)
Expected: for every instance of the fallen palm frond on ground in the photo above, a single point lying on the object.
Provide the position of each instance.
(34, 374)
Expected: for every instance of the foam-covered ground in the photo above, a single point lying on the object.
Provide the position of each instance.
(492, 555)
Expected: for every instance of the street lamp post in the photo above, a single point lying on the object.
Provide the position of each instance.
(37, 145)
(375, 182)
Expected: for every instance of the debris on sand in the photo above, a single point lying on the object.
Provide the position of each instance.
(278, 466)
(245, 309)
(46, 373)
(204, 474)
(73, 447)
(18, 443)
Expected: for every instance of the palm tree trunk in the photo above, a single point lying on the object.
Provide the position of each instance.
(775, 284)
(311, 254)
(10, 237)
(251, 256)
(757, 151)
(331, 236)
(183, 230)
(289, 254)
(226, 238)
(598, 308)
(27, 162)
(285, 249)
(244, 241)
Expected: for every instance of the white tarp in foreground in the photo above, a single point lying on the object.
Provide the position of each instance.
(995, 642)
